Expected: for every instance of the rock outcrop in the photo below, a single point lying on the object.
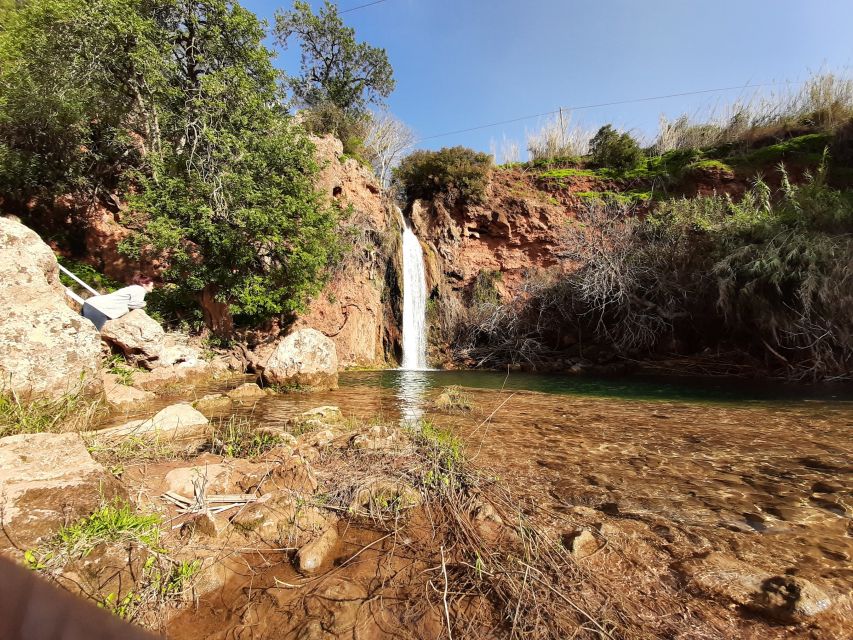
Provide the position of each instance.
(306, 359)
(515, 231)
(350, 310)
(46, 349)
(47, 480)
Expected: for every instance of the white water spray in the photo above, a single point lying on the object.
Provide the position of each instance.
(414, 301)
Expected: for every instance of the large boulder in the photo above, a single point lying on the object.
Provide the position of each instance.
(46, 480)
(142, 341)
(46, 349)
(137, 336)
(305, 359)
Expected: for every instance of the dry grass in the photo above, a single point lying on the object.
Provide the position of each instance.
(558, 138)
(822, 103)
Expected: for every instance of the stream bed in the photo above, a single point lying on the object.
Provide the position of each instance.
(764, 472)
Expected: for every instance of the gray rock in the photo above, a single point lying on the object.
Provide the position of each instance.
(583, 544)
(306, 359)
(316, 553)
(46, 349)
(47, 480)
(780, 597)
(137, 336)
(213, 402)
(177, 421)
(122, 396)
(248, 391)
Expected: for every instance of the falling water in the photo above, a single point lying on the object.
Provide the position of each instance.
(414, 301)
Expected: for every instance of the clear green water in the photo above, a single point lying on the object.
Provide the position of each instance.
(690, 389)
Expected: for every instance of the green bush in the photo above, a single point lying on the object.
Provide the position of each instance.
(458, 172)
(609, 148)
(327, 118)
(191, 130)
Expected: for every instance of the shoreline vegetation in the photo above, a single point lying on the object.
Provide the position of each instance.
(717, 247)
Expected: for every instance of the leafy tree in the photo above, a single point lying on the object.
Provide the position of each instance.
(335, 68)
(70, 79)
(609, 148)
(179, 99)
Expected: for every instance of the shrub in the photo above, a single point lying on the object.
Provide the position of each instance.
(351, 129)
(609, 148)
(458, 172)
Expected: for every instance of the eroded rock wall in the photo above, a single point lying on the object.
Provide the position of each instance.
(514, 232)
(351, 310)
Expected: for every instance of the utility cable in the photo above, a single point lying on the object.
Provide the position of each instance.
(599, 105)
(362, 6)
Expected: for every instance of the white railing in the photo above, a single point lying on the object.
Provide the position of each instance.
(79, 281)
(73, 295)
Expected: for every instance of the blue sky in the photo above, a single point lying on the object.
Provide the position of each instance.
(464, 63)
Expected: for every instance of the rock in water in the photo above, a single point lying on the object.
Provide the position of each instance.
(138, 336)
(306, 359)
(248, 391)
(46, 480)
(46, 349)
(780, 597)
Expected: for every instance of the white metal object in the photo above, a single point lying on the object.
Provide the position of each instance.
(94, 292)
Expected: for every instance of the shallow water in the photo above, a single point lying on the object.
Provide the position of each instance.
(762, 471)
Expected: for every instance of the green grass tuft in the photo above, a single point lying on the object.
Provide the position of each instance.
(237, 437)
(72, 412)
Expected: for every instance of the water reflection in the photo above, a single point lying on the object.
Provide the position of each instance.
(411, 387)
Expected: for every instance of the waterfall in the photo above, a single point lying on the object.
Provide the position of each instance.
(414, 301)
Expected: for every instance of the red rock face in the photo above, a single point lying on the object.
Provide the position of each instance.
(350, 310)
(515, 231)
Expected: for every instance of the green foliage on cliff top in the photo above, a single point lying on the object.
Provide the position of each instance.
(610, 148)
(336, 69)
(177, 105)
(456, 171)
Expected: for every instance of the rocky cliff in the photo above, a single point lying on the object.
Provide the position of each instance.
(514, 231)
(351, 310)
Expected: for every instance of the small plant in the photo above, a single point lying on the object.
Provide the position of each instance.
(157, 586)
(113, 522)
(453, 399)
(117, 365)
(87, 274)
(485, 289)
(443, 453)
(238, 438)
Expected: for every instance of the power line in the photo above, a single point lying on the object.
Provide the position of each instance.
(599, 105)
(363, 6)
